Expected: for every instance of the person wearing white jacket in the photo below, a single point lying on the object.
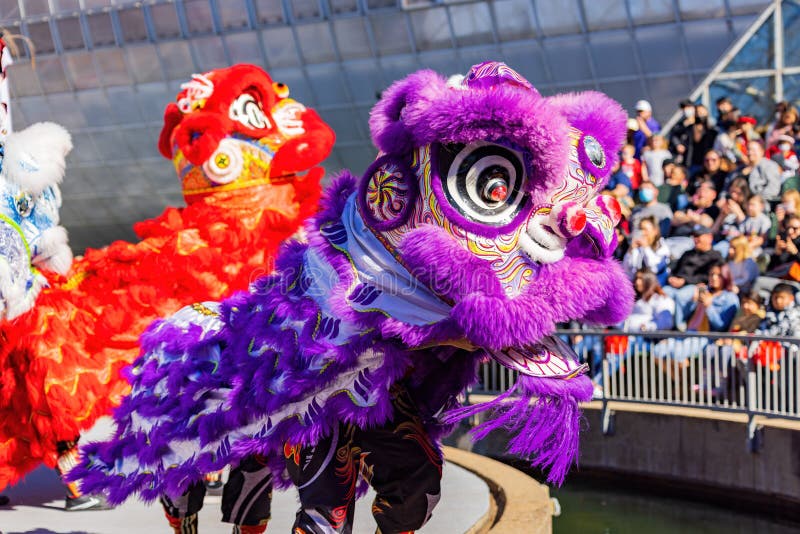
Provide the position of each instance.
(653, 310)
(648, 251)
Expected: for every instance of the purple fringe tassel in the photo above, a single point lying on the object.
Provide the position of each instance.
(543, 417)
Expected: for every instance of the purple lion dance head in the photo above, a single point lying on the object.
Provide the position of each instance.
(480, 224)
(485, 190)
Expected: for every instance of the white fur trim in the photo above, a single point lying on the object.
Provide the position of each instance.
(55, 253)
(539, 244)
(288, 117)
(35, 157)
(14, 299)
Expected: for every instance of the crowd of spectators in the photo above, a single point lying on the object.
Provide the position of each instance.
(711, 230)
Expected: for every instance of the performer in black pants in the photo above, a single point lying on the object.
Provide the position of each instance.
(246, 499)
(398, 460)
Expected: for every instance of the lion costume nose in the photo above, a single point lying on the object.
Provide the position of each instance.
(567, 219)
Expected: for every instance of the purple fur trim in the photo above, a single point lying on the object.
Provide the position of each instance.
(445, 266)
(619, 301)
(421, 110)
(543, 417)
(573, 288)
(597, 115)
(591, 243)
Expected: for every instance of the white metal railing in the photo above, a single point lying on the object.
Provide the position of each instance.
(754, 375)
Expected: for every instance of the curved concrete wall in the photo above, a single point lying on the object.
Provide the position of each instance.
(695, 454)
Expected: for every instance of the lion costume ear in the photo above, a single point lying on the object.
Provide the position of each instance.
(388, 122)
(597, 117)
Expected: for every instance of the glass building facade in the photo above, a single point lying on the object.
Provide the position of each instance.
(761, 68)
(105, 69)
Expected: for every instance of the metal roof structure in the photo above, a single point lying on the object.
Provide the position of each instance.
(105, 69)
(761, 68)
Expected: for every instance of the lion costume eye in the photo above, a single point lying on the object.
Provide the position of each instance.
(246, 110)
(483, 181)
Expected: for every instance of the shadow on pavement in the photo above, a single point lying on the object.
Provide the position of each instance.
(41, 487)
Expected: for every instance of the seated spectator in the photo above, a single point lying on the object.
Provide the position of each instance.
(732, 209)
(743, 267)
(712, 170)
(713, 307)
(790, 202)
(654, 157)
(783, 314)
(619, 185)
(757, 224)
(732, 382)
(751, 313)
(726, 144)
(724, 107)
(747, 133)
(701, 140)
(632, 167)
(781, 320)
(763, 175)
(653, 310)
(679, 135)
(623, 244)
(650, 207)
(648, 251)
(786, 125)
(787, 250)
(784, 155)
(715, 304)
(673, 191)
(701, 211)
(692, 268)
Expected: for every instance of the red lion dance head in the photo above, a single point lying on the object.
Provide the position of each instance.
(234, 128)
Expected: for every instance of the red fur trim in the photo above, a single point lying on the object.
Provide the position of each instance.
(199, 134)
(306, 150)
(172, 117)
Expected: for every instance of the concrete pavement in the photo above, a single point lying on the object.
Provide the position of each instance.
(37, 508)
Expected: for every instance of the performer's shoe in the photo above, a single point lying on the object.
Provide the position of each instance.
(86, 502)
(249, 529)
(4, 500)
(183, 525)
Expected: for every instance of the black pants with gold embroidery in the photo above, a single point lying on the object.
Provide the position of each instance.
(398, 460)
(246, 496)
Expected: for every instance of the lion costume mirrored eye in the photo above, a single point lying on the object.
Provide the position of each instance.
(23, 202)
(594, 151)
(484, 182)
